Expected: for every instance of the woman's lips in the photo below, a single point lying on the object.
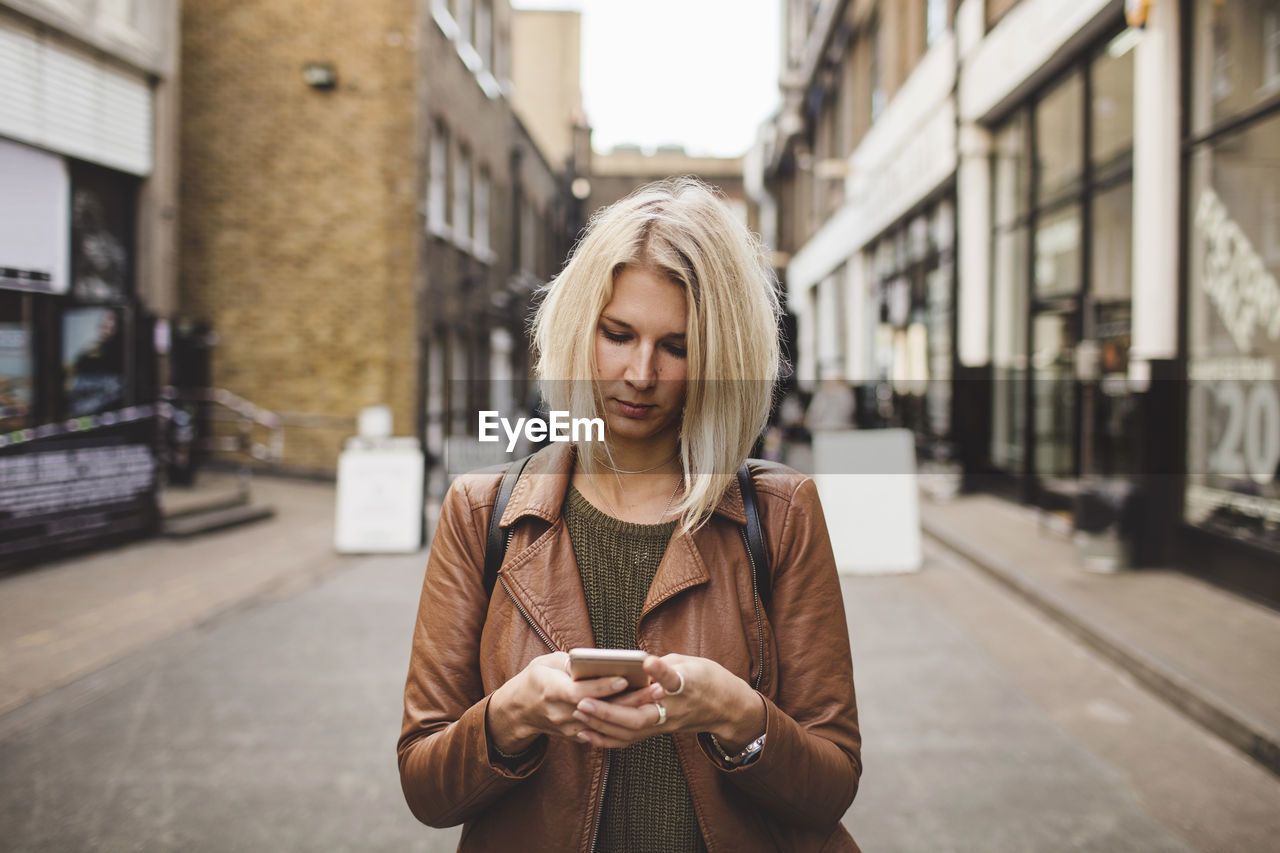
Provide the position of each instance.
(632, 410)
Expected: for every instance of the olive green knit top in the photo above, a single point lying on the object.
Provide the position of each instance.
(646, 799)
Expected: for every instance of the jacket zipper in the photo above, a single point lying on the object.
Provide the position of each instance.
(604, 782)
(525, 614)
(755, 595)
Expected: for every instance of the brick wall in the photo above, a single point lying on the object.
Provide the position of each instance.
(299, 222)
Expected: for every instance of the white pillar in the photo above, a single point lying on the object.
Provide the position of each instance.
(858, 329)
(1156, 176)
(973, 207)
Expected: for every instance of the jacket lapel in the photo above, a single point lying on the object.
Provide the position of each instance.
(542, 575)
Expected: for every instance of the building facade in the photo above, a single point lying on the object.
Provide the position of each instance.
(623, 170)
(1040, 234)
(369, 216)
(88, 146)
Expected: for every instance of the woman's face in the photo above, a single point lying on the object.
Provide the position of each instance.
(641, 364)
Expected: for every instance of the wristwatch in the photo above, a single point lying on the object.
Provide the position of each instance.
(742, 759)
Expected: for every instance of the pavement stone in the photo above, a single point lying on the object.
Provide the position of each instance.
(1209, 652)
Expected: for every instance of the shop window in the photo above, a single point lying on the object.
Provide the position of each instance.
(1236, 59)
(1057, 252)
(1061, 328)
(1112, 107)
(17, 371)
(1008, 347)
(102, 212)
(1233, 446)
(1059, 143)
(93, 360)
(1112, 244)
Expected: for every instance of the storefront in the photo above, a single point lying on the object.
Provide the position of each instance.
(1061, 256)
(1232, 283)
(79, 419)
(912, 286)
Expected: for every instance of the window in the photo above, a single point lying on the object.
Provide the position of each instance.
(484, 32)
(1112, 108)
(462, 197)
(481, 207)
(16, 368)
(93, 360)
(528, 240)
(1059, 147)
(879, 97)
(1061, 274)
(438, 181)
(1235, 60)
(462, 15)
(935, 20)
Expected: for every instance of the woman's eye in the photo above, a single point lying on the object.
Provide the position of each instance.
(616, 337)
(677, 351)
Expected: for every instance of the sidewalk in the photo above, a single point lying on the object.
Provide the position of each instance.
(1208, 652)
(64, 620)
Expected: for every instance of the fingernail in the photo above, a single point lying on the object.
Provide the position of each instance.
(619, 683)
(656, 691)
(582, 734)
(579, 716)
(587, 705)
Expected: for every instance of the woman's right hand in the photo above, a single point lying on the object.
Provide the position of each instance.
(541, 700)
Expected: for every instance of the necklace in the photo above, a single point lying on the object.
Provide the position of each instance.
(639, 470)
(661, 515)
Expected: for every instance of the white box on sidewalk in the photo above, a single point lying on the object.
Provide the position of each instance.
(867, 482)
(379, 497)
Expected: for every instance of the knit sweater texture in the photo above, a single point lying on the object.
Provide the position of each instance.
(647, 806)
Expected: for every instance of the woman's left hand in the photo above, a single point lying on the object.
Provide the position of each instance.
(712, 699)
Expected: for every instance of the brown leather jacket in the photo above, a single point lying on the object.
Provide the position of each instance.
(466, 644)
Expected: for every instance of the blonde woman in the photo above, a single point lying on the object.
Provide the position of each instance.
(663, 324)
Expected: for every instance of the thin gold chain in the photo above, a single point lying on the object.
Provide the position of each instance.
(618, 515)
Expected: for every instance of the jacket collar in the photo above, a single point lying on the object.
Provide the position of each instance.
(541, 490)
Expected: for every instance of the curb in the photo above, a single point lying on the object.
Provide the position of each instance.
(1233, 724)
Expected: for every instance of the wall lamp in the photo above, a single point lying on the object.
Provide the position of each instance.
(320, 75)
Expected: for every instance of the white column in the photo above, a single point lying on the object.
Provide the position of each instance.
(1156, 177)
(973, 207)
(858, 309)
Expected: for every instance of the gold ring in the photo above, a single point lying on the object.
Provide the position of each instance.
(662, 714)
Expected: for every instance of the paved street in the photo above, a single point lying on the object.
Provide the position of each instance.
(271, 725)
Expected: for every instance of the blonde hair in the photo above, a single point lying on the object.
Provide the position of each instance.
(680, 229)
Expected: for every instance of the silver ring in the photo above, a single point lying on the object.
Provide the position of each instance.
(680, 689)
(662, 714)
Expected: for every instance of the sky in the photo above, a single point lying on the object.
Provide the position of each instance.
(702, 73)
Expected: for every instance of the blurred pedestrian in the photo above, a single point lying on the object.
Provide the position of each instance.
(664, 325)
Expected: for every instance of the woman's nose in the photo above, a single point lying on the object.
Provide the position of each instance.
(641, 371)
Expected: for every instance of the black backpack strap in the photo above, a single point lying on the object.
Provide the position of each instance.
(495, 544)
(755, 536)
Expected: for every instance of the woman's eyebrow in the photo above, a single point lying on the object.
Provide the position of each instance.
(628, 326)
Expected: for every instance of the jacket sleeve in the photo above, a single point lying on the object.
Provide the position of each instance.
(809, 768)
(446, 768)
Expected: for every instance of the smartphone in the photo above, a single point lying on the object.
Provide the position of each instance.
(597, 663)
